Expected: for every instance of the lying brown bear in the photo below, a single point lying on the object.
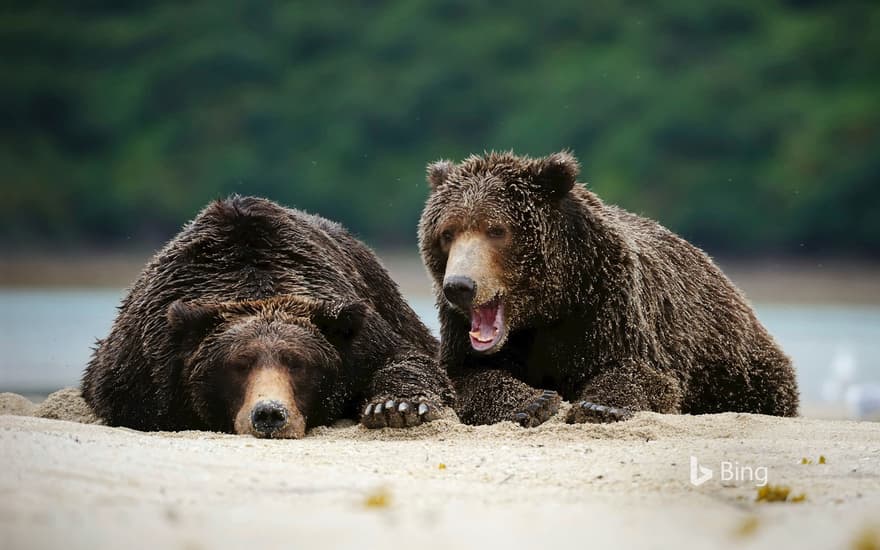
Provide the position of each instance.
(542, 285)
(257, 319)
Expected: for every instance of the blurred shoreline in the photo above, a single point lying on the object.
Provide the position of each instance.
(822, 313)
(778, 281)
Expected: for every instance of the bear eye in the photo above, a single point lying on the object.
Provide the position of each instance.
(241, 364)
(446, 236)
(496, 232)
(291, 361)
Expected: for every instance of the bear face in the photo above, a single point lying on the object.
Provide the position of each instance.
(258, 367)
(485, 235)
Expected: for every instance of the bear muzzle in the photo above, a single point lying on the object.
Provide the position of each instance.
(472, 285)
(269, 409)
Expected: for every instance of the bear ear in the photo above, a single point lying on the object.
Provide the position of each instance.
(190, 322)
(556, 173)
(340, 323)
(438, 172)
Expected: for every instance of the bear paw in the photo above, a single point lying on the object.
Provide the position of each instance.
(587, 411)
(398, 413)
(539, 410)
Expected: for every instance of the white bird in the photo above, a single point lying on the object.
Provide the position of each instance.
(843, 372)
(863, 401)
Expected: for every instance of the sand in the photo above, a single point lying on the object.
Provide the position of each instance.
(14, 404)
(442, 485)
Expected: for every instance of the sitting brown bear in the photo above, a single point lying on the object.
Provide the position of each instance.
(257, 319)
(541, 285)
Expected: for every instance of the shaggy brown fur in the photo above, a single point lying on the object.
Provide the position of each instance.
(611, 310)
(255, 304)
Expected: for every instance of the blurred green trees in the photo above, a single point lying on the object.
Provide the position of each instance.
(749, 126)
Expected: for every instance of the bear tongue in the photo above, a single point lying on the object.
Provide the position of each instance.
(484, 322)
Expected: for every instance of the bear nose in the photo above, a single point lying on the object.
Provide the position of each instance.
(460, 290)
(268, 417)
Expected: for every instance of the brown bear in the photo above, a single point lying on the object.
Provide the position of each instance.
(258, 319)
(540, 284)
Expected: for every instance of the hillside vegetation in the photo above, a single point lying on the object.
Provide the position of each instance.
(749, 126)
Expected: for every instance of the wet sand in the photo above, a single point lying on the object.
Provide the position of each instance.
(442, 485)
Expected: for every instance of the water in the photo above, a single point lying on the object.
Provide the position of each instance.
(46, 337)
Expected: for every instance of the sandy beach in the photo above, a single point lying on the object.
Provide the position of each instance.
(443, 485)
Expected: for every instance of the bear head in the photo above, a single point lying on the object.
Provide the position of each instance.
(257, 367)
(489, 236)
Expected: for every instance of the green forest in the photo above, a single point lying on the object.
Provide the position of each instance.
(749, 126)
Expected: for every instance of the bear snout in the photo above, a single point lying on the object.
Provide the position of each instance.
(269, 408)
(472, 276)
(268, 417)
(460, 290)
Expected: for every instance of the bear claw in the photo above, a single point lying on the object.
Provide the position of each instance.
(395, 413)
(587, 411)
(539, 410)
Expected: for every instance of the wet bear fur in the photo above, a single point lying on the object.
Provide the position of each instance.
(609, 309)
(247, 272)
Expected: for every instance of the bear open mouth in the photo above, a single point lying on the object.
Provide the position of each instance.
(487, 325)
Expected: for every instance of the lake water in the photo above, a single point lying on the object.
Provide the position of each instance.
(46, 337)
